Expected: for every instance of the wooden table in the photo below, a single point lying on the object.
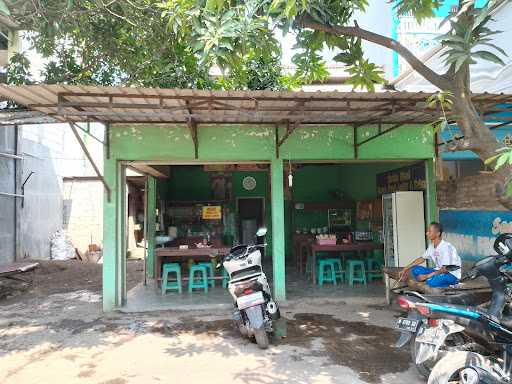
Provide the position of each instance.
(301, 242)
(182, 255)
(339, 248)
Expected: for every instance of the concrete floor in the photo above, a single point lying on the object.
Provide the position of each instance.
(148, 298)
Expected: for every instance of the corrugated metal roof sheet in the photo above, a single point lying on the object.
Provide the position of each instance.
(72, 103)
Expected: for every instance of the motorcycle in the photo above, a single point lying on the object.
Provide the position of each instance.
(488, 361)
(255, 310)
(418, 331)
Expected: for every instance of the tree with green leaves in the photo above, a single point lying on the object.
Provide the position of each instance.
(176, 42)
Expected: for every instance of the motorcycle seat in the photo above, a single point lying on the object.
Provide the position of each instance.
(464, 298)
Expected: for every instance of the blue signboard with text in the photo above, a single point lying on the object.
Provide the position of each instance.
(473, 232)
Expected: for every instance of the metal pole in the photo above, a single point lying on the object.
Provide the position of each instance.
(145, 229)
(11, 194)
(91, 160)
(11, 156)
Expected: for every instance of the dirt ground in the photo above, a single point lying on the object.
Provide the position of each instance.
(64, 276)
(56, 333)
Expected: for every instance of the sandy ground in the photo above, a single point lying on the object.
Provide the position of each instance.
(55, 335)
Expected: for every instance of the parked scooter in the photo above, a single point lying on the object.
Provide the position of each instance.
(254, 308)
(490, 330)
(419, 331)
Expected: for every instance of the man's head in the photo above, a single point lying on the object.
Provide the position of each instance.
(435, 231)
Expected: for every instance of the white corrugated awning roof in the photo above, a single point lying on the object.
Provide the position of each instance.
(71, 103)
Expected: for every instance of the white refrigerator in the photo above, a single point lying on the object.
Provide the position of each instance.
(403, 230)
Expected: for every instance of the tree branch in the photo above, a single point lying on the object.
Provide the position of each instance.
(416, 64)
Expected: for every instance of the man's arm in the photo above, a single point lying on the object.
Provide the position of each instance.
(405, 271)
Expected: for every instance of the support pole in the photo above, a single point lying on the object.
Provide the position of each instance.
(432, 213)
(91, 160)
(145, 267)
(356, 146)
(111, 222)
(151, 226)
(278, 229)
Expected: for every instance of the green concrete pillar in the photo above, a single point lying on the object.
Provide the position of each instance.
(122, 234)
(278, 230)
(430, 176)
(113, 264)
(151, 225)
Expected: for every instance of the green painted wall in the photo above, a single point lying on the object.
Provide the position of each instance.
(188, 183)
(238, 143)
(313, 183)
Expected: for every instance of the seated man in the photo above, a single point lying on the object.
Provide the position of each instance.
(442, 253)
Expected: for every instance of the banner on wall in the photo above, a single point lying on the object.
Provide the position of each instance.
(473, 232)
(212, 212)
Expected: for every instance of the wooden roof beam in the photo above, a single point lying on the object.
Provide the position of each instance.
(160, 172)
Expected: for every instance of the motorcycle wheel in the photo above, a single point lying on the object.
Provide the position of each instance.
(447, 369)
(452, 341)
(261, 337)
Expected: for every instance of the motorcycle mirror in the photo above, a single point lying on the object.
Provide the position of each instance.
(261, 232)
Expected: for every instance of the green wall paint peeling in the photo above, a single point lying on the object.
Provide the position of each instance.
(243, 142)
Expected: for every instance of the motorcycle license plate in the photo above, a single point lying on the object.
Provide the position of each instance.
(251, 300)
(405, 324)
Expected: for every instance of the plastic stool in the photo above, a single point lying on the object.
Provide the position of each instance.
(356, 272)
(326, 272)
(166, 284)
(209, 267)
(198, 282)
(339, 272)
(225, 278)
(374, 269)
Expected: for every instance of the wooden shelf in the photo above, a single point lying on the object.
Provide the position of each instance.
(311, 206)
(195, 202)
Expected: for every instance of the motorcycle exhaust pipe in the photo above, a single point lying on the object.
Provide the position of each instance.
(273, 310)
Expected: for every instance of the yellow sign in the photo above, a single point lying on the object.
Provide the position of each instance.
(212, 212)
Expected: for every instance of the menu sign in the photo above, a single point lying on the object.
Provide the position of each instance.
(411, 178)
(212, 212)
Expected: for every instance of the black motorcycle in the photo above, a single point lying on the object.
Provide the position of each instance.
(490, 329)
(430, 339)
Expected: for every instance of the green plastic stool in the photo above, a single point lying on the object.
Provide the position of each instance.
(326, 272)
(225, 278)
(168, 285)
(198, 282)
(374, 269)
(339, 272)
(210, 268)
(356, 272)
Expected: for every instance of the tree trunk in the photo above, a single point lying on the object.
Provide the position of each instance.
(478, 138)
